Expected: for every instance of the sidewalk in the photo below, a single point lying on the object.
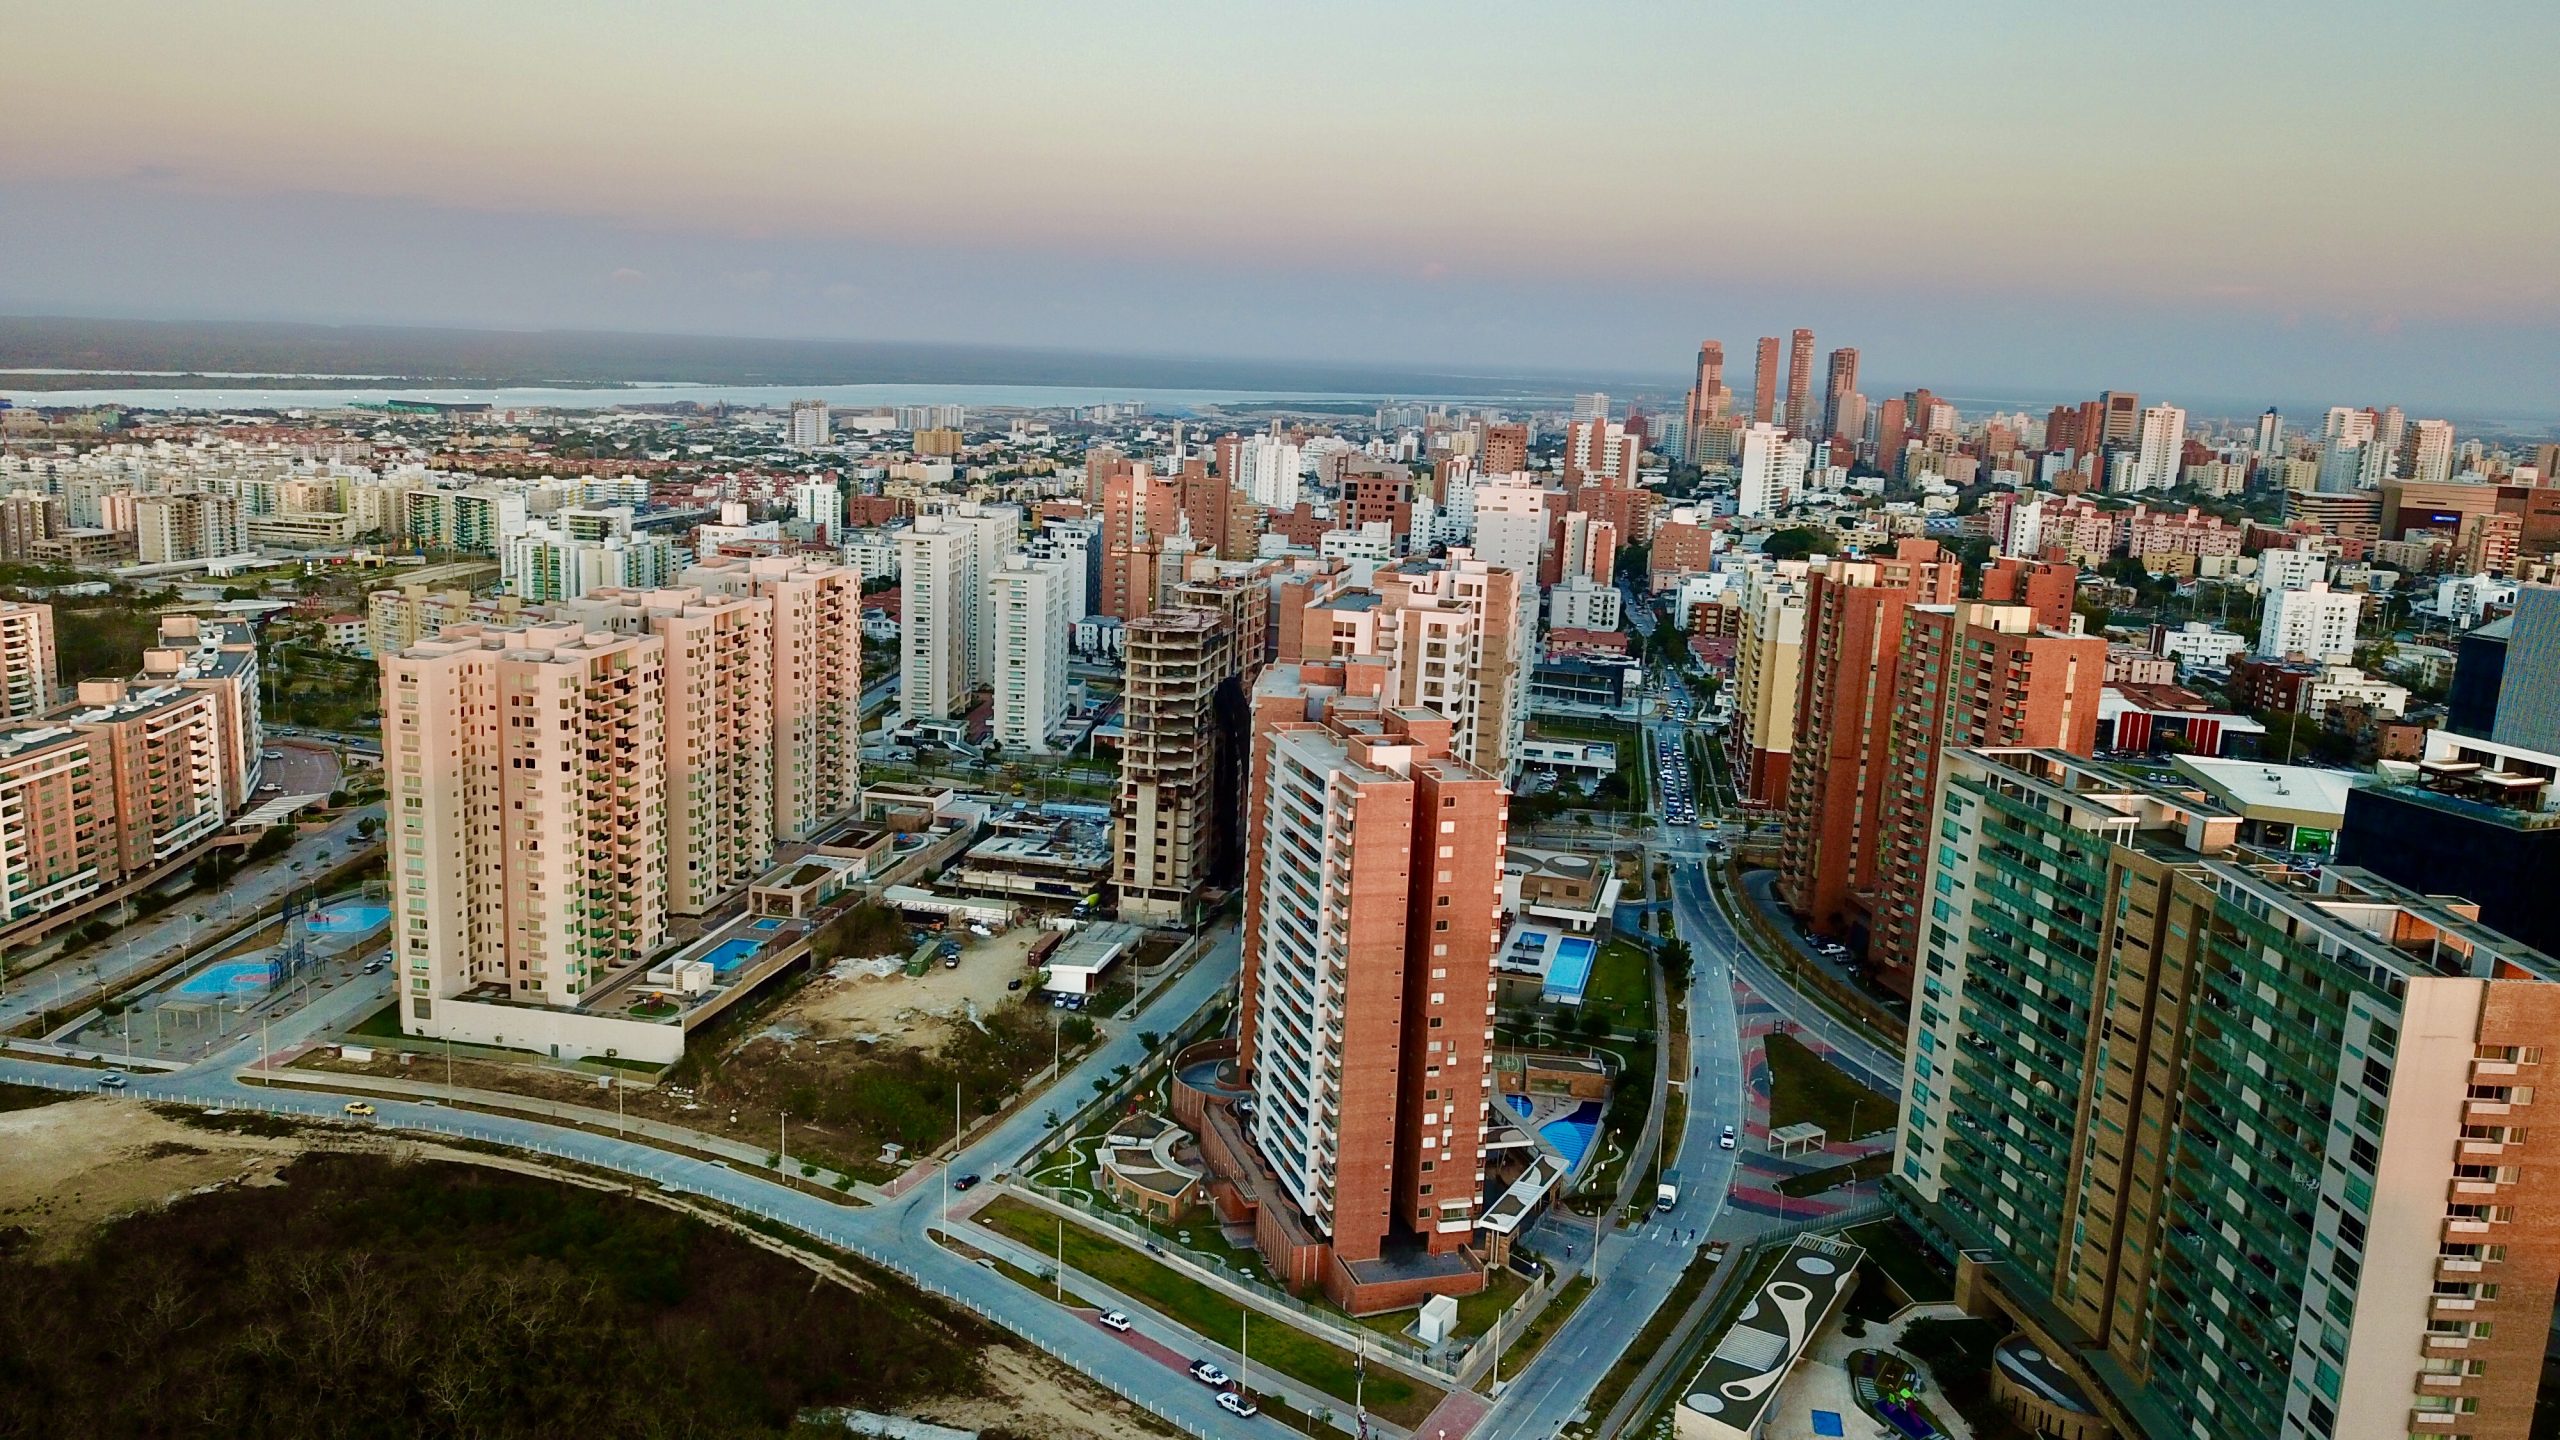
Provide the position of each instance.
(748, 1157)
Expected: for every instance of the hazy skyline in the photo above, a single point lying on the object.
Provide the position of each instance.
(2345, 203)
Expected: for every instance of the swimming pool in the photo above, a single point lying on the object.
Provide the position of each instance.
(1570, 1133)
(231, 977)
(728, 955)
(767, 925)
(1571, 969)
(353, 918)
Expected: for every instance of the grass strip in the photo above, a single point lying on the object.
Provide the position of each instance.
(1277, 1346)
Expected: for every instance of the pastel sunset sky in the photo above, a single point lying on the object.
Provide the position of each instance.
(2349, 202)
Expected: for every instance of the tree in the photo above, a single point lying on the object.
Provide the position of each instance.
(1798, 541)
(1676, 962)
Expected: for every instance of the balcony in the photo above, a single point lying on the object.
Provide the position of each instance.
(2461, 1226)
(2486, 1109)
(2449, 1265)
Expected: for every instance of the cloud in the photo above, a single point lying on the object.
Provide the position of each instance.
(627, 276)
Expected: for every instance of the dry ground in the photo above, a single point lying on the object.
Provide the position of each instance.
(918, 1010)
(73, 1164)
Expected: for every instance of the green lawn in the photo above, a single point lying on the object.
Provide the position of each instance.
(1621, 987)
(1892, 1248)
(1803, 1086)
(1315, 1363)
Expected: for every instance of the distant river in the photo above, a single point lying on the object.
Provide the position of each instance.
(847, 398)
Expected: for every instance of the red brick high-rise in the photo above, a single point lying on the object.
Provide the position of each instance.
(1843, 383)
(1800, 411)
(1846, 692)
(1709, 383)
(1506, 450)
(1971, 675)
(1764, 383)
(2045, 586)
(1373, 899)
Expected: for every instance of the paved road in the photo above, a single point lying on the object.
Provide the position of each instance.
(61, 986)
(1638, 1267)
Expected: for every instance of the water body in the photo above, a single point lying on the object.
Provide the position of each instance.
(846, 398)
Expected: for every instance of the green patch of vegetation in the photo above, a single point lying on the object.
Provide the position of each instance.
(382, 1024)
(1907, 1260)
(1533, 1337)
(1803, 1086)
(867, 929)
(368, 1296)
(1317, 1364)
(1621, 988)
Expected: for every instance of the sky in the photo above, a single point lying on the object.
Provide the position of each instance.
(2338, 203)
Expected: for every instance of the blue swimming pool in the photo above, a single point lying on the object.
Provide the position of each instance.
(352, 918)
(1570, 971)
(767, 925)
(728, 955)
(231, 977)
(1570, 1133)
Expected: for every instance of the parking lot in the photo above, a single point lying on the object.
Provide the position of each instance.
(296, 767)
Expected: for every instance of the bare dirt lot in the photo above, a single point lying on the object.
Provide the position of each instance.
(73, 1164)
(915, 1010)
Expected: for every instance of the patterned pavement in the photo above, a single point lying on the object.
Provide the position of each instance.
(1755, 1184)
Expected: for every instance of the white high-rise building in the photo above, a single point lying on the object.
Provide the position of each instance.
(1030, 615)
(1511, 522)
(2163, 442)
(1594, 406)
(1455, 522)
(810, 425)
(821, 503)
(1269, 471)
(2292, 569)
(2270, 444)
(2426, 452)
(2314, 620)
(947, 562)
(1771, 473)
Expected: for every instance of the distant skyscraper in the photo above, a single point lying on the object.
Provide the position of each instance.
(2426, 452)
(1844, 383)
(2270, 446)
(810, 425)
(26, 660)
(1764, 383)
(2163, 440)
(1709, 382)
(1594, 406)
(1800, 412)
(1773, 465)
(2123, 416)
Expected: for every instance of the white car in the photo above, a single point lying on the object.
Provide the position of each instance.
(1725, 1141)
(1238, 1405)
(1114, 1320)
(1207, 1373)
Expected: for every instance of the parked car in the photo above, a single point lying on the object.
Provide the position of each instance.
(1238, 1404)
(1114, 1320)
(1014, 984)
(1208, 1374)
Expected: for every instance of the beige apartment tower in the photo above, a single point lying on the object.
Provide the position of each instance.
(26, 659)
(816, 632)
(528, 837)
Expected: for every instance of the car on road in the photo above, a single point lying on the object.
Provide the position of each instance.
(271, 755)
(1725, 1141)
(1114, 1320)
(1238, 1405)
(112, 1080)
(359, 1107)
(1208, 1374)
(967, 1182)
